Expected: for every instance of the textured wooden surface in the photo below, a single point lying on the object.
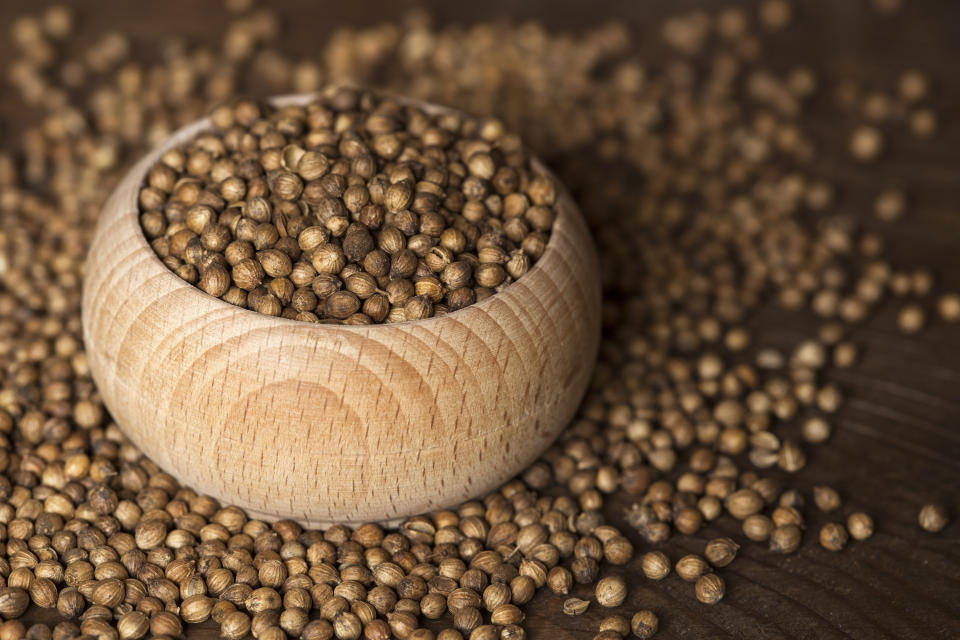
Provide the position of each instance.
(897, 442)
(324, 423)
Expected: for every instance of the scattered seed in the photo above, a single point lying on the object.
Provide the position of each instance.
(860, 525)
(757, 527)
(785, 538)
(611, 591)
(575, 606)
(655, 565)
(826, 498)
(933, 518)
(644, 624)
(866, 144)
(616, 624)
(721, 551)
(911, 319)
(691, 567)
(890, 205)
(949, 307)
(833, 537)
(710, 588)
(816, 430)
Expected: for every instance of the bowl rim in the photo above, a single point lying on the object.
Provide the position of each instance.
(565, 207)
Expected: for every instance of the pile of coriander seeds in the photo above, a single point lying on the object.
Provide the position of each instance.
(698, 178)
(352, 209)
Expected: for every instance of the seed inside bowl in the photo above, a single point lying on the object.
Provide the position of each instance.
(353, 209)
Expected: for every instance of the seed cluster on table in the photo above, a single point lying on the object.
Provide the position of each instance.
(353, 209)
(699, 182)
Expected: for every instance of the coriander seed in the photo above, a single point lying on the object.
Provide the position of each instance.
(575, 606)
(644, 624)
(866, 143)
(560, 580)
(721, 551)
(860, 525)
(710, 588)
(611, 591)
(933, 518)
(911, 319)
(13, 602)
(949, 307)
(743, 503)
(785, 538)
(890, 205)
(833, 536)
(691, 567)
(826, 498)
(757, 527)
(655, 565)
(616, 624)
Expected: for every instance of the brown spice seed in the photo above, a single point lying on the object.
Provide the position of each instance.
(710, 588)
(949, 307)
(616, 624)
(691, 567)
(911, 319)
(13, 602)
(575, 606)
(644, 624)
(833, 536)
(560, 580)
(611, 591)
(933, 518)
(860, 525)
(866, 143)
(826, 498)
(743, 503)
(785, 538)
(655, 565)
(721, 551)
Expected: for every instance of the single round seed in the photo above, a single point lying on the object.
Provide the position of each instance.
(655, 565)
(833, 536)
(757, 527)
(911, 319)
(860, 525)
(826, 498)
(785, 538)
(933, 518)
(866, 143)
(13, 602)
(560, 580)
(743, 503)
(816, 430)
(691, 567)
(721, 551)
(611, 591)
(949, 307)
(644, 624)
(710, 588)
(890, 205)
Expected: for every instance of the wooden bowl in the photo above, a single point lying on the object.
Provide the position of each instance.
(328, 423)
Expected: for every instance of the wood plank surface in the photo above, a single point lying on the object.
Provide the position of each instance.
(897, 442)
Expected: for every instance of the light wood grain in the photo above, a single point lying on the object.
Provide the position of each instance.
(324, 423)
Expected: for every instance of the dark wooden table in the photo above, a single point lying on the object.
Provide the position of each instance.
(897, 442)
